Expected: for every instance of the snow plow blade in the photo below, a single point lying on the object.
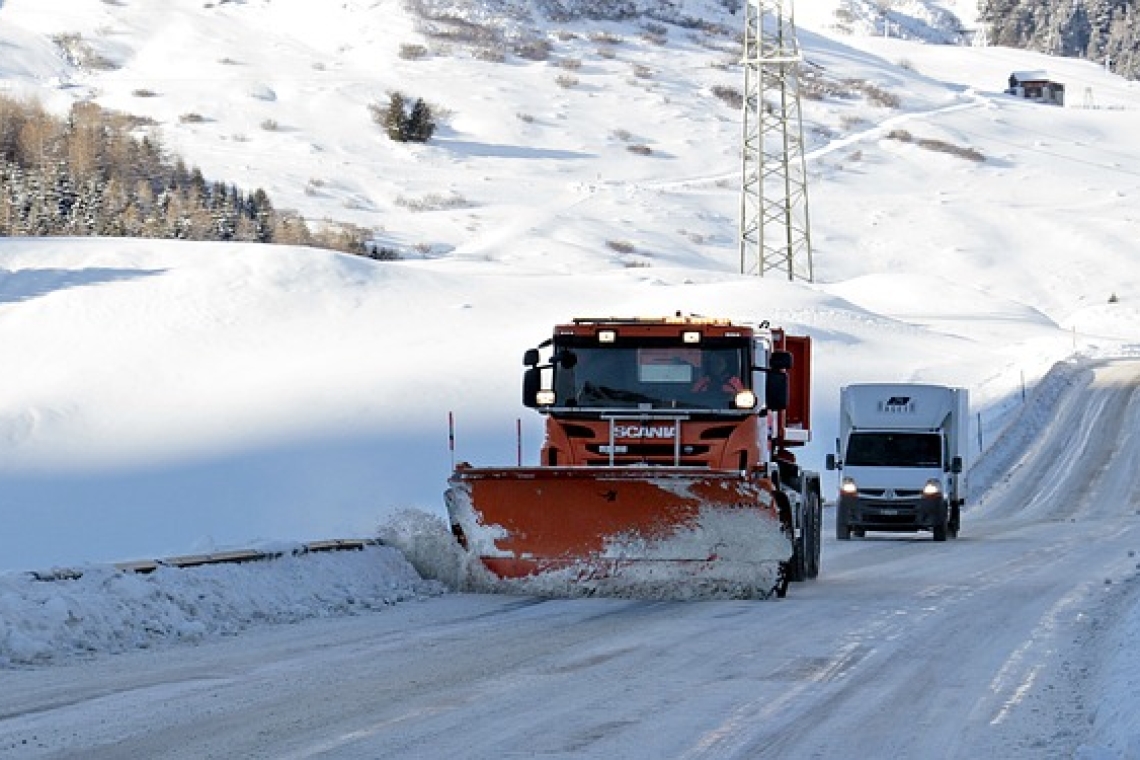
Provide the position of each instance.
(619, 531)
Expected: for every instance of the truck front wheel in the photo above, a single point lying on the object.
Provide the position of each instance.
(796, 567)
(813, 528)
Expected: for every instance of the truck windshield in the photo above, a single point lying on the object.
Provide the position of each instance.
(894, 449)
(663, 376)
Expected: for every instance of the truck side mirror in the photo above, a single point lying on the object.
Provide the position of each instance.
(776, 391)
(956, 465)
(532, 384)
(830, 462)
(780, 360)
(530, 358)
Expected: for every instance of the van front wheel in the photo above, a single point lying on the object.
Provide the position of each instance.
(941, 524)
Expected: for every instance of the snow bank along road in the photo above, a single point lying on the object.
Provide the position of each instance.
(992, 645)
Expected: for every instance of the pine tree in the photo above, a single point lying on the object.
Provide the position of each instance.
(1104, 31)
(64, 194)
(421, 124)
(1122, 47)
(1075, 31)
(261, 211)
(395, 118)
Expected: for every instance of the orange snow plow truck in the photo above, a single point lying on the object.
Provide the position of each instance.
(667, 470)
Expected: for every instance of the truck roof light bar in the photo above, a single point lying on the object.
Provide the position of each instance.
(672, 320)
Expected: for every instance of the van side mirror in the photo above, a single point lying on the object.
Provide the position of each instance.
(956, 465)
(830, 462)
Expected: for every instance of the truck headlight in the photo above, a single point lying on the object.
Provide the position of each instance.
(932, 489)
(544, 398)
(848, 487)
(744, 400)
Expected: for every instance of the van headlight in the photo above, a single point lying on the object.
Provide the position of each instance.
(848, 487)
(932, 489)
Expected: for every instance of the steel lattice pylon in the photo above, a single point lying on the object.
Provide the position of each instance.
(774, 231)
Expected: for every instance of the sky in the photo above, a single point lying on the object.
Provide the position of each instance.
(171, 398)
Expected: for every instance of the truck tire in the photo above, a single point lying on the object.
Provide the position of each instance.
(798, 564)
(814, 541)
(807, 547)
(795, 570)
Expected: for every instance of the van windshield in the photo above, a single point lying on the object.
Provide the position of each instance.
(881, 449)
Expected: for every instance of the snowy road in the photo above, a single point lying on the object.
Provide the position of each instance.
(902, 648)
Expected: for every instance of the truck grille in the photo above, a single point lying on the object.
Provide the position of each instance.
(651, 451)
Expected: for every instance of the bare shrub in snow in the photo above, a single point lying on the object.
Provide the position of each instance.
(533, 49)
(941, 146)
(433, 202)
(80, 53)
(605, 38)
(655, 39)
(411, 51)
(879, 97)
(490, 54)
(730, 96)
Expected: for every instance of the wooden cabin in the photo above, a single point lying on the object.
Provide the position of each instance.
(1036, 85)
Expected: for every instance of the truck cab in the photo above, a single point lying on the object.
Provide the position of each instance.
(683, 391)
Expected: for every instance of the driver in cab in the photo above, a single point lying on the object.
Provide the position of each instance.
(717, 376)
